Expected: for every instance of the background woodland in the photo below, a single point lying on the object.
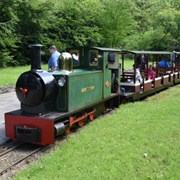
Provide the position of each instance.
(122, 24)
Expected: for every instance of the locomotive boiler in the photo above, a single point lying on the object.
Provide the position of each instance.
(54, 102)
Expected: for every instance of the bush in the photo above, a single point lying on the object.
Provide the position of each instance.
(5, 59)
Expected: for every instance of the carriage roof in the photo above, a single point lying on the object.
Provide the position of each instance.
(145, 52)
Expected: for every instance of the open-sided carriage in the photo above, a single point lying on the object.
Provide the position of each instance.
(164, 76)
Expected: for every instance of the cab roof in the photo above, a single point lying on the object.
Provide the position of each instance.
(106, 49)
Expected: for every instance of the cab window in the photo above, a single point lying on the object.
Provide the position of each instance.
(75, 57)
(93, 58)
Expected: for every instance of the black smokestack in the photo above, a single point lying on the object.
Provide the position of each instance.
(35, 56)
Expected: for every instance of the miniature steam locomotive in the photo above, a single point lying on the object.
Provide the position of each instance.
(53, 102)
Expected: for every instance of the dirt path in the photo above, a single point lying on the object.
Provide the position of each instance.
(5, 89)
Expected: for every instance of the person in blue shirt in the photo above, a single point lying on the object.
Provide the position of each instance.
(53, 60)
(163, 63)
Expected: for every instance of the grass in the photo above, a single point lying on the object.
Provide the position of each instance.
(139, 141)
(10, 75)
(128, 63)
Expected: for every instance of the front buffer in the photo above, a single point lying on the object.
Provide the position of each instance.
(32, 129)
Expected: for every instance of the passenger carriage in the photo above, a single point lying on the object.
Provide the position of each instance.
(165, 76)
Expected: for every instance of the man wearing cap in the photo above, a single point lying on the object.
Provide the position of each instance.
(53, 60)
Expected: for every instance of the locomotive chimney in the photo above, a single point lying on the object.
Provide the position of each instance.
(35, 56)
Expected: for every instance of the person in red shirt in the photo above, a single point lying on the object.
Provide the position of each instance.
(151, 73)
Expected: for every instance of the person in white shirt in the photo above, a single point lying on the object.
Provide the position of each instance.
(138, 74)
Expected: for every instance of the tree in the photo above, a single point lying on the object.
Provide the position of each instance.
(116, 22)
(78, 25)
(35, 19)
(8, 22)
(157, 25)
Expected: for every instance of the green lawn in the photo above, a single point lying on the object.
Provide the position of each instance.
(10, 75)
(139, 141)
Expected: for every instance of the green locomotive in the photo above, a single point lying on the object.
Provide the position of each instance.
(86, 85)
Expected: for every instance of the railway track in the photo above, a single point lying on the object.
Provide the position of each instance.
(13, 153)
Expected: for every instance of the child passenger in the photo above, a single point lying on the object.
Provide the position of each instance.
(151, 73)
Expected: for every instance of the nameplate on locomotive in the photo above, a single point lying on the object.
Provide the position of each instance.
(87, 89)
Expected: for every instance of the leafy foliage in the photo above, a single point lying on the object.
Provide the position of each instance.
(115, 22)
(157, 25)
(130, 24)
(8, 22)
(78, 26)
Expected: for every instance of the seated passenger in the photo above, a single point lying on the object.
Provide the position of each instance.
(138, 74)
(163, 63)
(151, 73)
